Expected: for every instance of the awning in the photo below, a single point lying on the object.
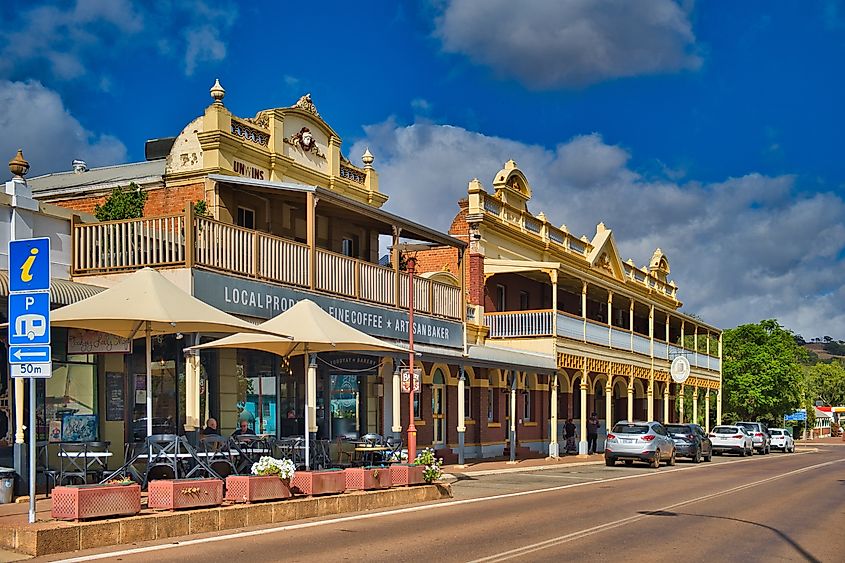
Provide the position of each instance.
(487, 357)
(62, 292)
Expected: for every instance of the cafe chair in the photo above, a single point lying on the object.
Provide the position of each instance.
(215, 453)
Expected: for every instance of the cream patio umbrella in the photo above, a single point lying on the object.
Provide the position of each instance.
(311, 330)
(147, 302)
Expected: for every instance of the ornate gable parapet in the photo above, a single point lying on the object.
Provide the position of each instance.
(307, 104)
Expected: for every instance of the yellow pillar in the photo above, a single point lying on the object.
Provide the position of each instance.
(719, 406)
(582, 445)
(681, 412)
(584, 308)
(396, 397)
(608, 403)
(707, 410)
(631, 397)
(666, 404)
(695, 404)
(650, 399)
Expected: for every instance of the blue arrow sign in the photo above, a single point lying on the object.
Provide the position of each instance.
(28, 354)
(29, 265)
(796, 416)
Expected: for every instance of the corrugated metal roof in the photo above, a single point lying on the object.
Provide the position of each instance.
(105, 175)
(62, 292)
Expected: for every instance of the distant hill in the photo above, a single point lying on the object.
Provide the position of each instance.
(826, 350)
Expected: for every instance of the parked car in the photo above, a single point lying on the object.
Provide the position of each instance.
(731, 439)
(782, 440)
(639, 441)
(691, 441)
(760, 434)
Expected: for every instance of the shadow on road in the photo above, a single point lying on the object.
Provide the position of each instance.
(804, 553)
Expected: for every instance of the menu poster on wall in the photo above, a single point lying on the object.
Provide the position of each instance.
(80, 341)
(114, 396)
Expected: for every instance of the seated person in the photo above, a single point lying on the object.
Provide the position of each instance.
(210, 428)
(243, 430)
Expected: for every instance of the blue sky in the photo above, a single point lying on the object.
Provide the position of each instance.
(711, 130)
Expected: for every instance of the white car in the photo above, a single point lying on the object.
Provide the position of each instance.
(733, 439)
(782, 440)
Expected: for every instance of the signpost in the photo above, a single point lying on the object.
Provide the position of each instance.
(405, 380)
(29, 327)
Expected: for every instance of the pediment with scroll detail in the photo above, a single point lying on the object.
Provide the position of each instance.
(605, 257)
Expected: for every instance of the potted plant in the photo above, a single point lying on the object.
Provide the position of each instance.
(270, 480)
(172, 494)
(366, 478)
(424, 469)
(119, 497)
(327, 481)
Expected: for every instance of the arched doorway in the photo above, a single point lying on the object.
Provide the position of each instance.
(438, 407)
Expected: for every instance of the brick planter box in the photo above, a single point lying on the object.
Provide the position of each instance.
(255, 488)
(318, 482)
(403, 474)
(78, 502)
(173, 494)
(366, 478)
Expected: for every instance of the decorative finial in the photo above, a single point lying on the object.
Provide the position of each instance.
(368, 158)
(18, 166)
(217, 92)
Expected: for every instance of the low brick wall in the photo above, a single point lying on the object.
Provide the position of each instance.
(51, 537)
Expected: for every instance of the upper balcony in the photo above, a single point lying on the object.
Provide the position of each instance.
(186, 240)
(700, 349)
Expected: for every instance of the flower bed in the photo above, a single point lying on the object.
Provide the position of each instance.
(403, 474)
(255, 488)
(319, 482)
(78, 502)
(172, 494)
(366, 478)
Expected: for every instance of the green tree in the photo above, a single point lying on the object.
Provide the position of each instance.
(827, 383)
(762, 377)
(122, 203)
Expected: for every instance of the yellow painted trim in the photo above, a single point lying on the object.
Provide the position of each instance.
(469, 421)
(494, 425)
(419, 422)
(529, 424)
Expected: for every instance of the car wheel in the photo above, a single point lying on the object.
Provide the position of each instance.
(671, 459)
(655, 463)
(609, 461)
(709, 457)
(743, 453)
(697, 457)
(768, 450)
(629, 462)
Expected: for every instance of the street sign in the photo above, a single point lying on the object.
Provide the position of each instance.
(405, 380)
(800, 415)
(29, 354)
(42, 370)
(29, 308)
(29, 265)
(29, 319)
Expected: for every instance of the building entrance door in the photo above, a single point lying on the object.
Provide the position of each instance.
(438, 408)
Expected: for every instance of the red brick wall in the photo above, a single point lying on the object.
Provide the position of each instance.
(160, 201)
(475, 279)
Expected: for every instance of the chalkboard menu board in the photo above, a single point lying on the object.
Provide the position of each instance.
(114, 396)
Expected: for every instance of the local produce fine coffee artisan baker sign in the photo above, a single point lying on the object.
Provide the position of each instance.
(256, 299)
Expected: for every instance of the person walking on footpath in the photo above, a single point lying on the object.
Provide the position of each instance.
(569, 432)
(592, 433)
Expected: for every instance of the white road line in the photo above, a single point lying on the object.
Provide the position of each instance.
(437, 506)
(531, 548)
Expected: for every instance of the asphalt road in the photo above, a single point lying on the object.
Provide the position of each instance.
(788, 507)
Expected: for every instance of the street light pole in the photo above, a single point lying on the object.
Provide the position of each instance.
(411, 263)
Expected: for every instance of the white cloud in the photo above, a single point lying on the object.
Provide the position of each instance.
(73, 40)
(34, 118)
(740, 250)
(569, 42)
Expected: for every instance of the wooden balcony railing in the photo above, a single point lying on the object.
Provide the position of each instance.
(537, 324)
(119, 246)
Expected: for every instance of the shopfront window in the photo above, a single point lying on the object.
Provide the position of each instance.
(344, 405)
(67, 401)
(257, 398)
(168, 387)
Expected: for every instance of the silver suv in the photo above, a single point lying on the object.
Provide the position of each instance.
(639, 441)
(759, 435)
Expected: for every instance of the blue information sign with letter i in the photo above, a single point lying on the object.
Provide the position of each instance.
(29, 308)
